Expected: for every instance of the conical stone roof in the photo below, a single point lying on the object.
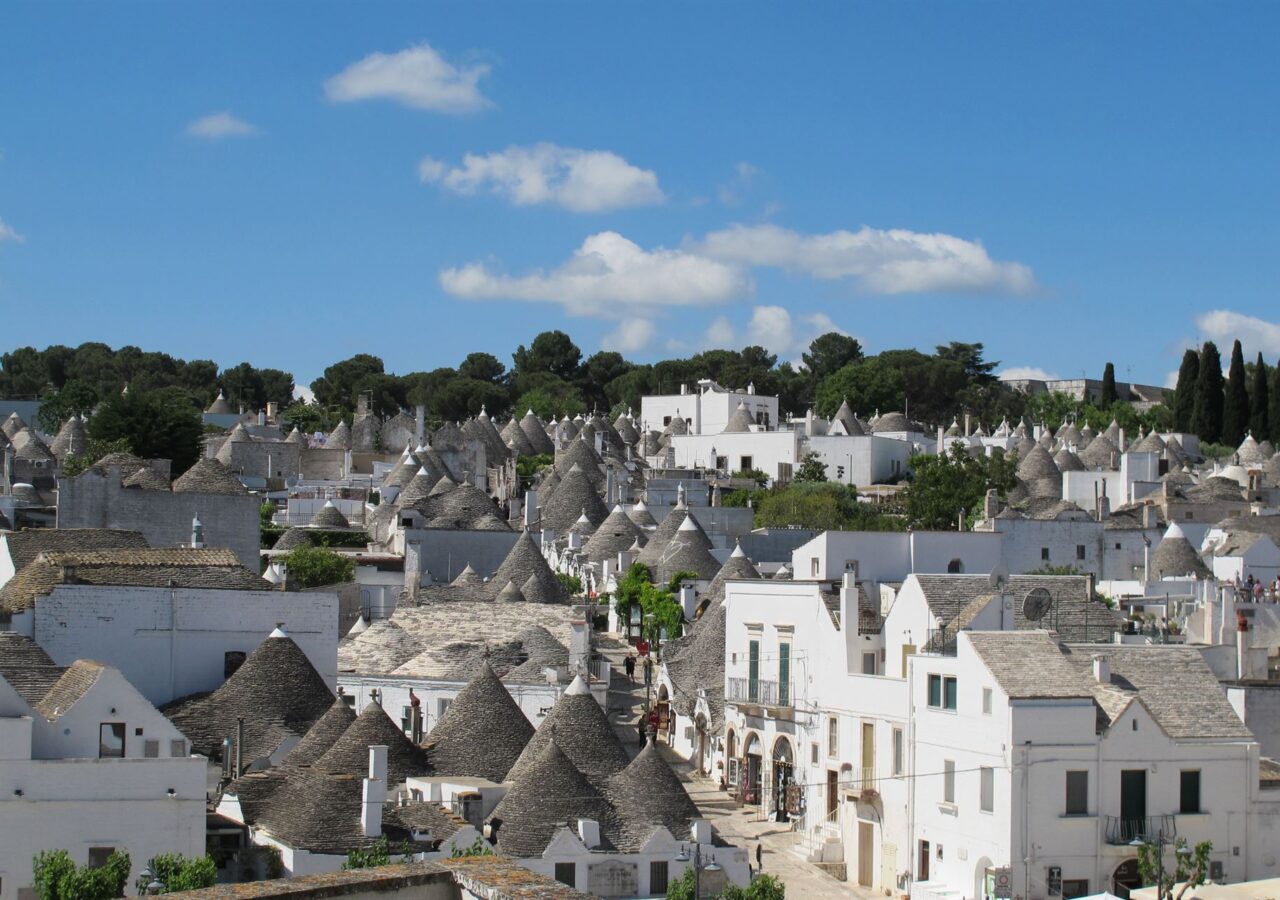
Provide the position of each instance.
(548, 792)
(339, 438)
(277, 691)
(688, 551)
(653, 551)
(1174, 557)
(525, 561)
(643, 519)
(292, 539)
(147, 479)
(511, 594)
(1066, 461)
(482, 733)
(616, 534)
(1100, 454)
(208, 476)
(517, 440)
(574, 497)
(1250, 454)
(583, 732)
(581, 454)
(536, 432)
(1038, 465)
(322, 735)
(349, 755)
(329, 516)
(648, 795)
(740, 421)
(71, 439)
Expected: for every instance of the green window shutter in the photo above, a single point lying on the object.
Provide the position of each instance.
(784, 674)
(753, 672)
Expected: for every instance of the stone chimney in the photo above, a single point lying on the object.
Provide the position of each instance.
(1149, 516)
(531, 513)
(589, 833)
(197, 533)
(419, 424)
(273, 410)
(1242, 645)
(374, 792)
(1101, 669)
(991, 504)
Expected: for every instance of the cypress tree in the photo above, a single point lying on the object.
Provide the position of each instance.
(1273, 413)
(1259, 402)
(1235, 408)
(1206, 417)
(1109, 395)
(1184, 395)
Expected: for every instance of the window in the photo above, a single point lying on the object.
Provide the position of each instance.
(949, 781)
(813, 754)
(1188, 515)
(833, 736)
(1075, 887)
(868, 664)
(111, 740)
(1189, 791)
(986, 701)
(406, 719)
(442, 704)
(722, 463)
(1064, 883)
(98, 856)
(151, 749)
(987, 789)
(784, 674)
(178, 748)
(753, 671)
(813, 566)
(666, 420)
(658, 876)
(898, 751)
(232, 660)
(1079, 551)
(955, 567)
(350, 700)
(1044, 553)
(1077, 793)
(567, 873)
(747, 463)
(942, 692)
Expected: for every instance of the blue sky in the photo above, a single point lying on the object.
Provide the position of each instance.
(292, 183)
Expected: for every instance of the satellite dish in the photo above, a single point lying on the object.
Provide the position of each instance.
(999, 577)
(1036, 604)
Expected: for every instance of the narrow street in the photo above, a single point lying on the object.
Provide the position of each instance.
(737, 825)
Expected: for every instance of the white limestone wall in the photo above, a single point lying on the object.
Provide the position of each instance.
(172, 642)
(78, 804)
(866, 459)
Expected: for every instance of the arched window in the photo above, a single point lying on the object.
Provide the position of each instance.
(955, 567)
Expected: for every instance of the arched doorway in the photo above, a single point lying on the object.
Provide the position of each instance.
(784, 768)
(984, 879)
(955, 567)
(754, 769)
(1126, 878)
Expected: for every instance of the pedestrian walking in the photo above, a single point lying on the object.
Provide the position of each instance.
(648, 671)
(759, 857)
(629, 665)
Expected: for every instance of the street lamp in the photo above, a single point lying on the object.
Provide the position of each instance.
(698, 868)
(149, 883)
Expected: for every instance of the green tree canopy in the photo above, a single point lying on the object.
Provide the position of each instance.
(312, 567)
(1109, 395)
(1184, 394)
(1235, 408)
(829, 353)
(57, 877)
(1206, 415)
(160, 424)
(338, 385)
(1260, 401)
(945, 486)
(551, 352)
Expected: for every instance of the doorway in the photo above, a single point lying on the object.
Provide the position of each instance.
(1133, 804)
(1127, 877)
(922, 863)
(866, 835)
(783, 775)
(833, 792)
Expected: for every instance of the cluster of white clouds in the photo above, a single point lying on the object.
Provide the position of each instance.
(1222, 326)
(1024, 373)
(8, 234)
(771, 327)
(219, 125)
(577, 180)
(418, 77)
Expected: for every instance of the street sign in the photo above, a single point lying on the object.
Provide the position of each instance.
(1003, 884)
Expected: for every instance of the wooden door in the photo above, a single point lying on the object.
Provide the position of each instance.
(866, 833)
(833, 791)
(922, 864)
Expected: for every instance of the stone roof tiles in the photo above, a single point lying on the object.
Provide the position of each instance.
(349, 754)
(582, 730)
(208, 476)
(482, 733)
(545, 793)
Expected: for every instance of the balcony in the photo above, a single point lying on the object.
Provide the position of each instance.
(941, 642)
(1119, 831)
(759, 693)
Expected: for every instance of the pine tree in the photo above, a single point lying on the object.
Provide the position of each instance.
(1206, 418)
(1235, 408)
(1184, 395)
(1259, 401)
(1109, 395)
(1273, 413)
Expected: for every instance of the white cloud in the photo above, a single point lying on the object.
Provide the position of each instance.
(1023, 373)
(731, 193)
(894, 261)
(8, 234)
(631, 336)
(219, 125)
(608, 276)
(1171, 379)
(418, 77)
(1222, 326)
(771, 327)
(579, 180)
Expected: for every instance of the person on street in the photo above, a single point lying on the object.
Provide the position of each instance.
(629, 665)
(648, 670)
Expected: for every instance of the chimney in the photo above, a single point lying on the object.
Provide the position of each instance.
(1149, 516)
(589, 833)
(751, 387)
(1121, 441)
(273, 410)
(991, 504)
(942, 450)
(239, 746)
(262, 417)
(968, 424)
(197, 533)
(531, 512)
(419, 424)
(67, 574)
(374, 792)
(1101, 669)
(1242, 645)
